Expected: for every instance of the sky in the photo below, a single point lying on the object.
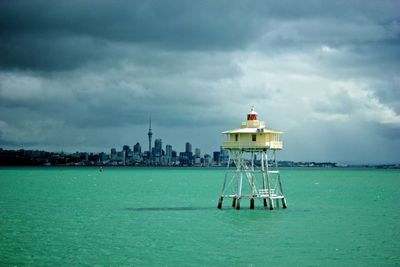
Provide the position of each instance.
(88, 75)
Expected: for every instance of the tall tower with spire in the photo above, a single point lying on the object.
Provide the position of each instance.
(150, 134)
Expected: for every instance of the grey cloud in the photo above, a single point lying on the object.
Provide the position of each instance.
(87, 75)
(49, 52)
(47, 35)
(336, 103)
(122, 95)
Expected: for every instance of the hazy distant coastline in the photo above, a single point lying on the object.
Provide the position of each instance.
(44, 158)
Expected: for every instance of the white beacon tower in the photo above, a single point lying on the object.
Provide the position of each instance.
(252, 149)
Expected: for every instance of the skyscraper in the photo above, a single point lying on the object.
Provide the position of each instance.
(128, 155)
(137, 149)
(137, 152)
(168, 153)
(127, 149)
(174, 156)
(113, 154)
(187, 157)
(188, 148)
(197, 158)
(150, 134)
(157, 150)
(216, 157)
(224, 156)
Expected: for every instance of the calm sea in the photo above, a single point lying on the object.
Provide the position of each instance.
(168, 217)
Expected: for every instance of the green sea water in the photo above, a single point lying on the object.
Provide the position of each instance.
(168, 217)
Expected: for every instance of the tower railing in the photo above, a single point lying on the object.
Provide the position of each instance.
(253, 145)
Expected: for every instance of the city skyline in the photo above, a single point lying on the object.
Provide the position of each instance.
(87, 76)
(156, 155)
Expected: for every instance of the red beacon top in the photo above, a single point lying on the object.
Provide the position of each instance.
(252, 116)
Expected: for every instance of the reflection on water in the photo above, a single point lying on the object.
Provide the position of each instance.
(170, 208)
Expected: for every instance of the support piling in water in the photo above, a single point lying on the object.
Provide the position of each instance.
(271, 204)
(238, 204)
(284, 205)
(252, 203)
(220, 202)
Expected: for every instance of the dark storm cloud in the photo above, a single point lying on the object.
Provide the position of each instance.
(48, 35)
(48, 52)
(52, 35)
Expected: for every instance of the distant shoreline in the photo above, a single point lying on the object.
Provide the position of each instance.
(30, 158)
(384, 166)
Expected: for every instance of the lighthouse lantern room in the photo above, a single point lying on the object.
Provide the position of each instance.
(252, 150)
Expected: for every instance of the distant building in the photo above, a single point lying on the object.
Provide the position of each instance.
(146, 155)
(113, 155)
(216, 157)
(188, 147)
(168, 151)
(103, 157)
(157, 147)
(197, 157)
(207, 160)
(224, 156)
(84, 156)
(157, 150)
(126, 148)
(137, 149)
(128, 154)
(168, 154)
(121, 157)
(174, 157)
(137, 154)
(186, 158)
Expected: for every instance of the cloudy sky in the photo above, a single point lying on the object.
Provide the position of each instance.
(87, 75)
